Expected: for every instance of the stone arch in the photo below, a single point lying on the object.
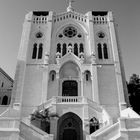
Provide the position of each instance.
(69, 75)
(69, 69)
(69, 127)
(65, 37)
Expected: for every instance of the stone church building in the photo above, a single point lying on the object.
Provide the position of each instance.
(69, 65)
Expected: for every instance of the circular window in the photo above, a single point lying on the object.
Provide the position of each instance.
(101, 35)
(70, 31)
(39, 35)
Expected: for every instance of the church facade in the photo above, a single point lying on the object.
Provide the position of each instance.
(69, 67)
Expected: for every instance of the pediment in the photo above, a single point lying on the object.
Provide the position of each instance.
(70, 57)
(70, 15)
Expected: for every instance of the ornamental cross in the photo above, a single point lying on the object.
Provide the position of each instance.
(70, 2)
(69, 8)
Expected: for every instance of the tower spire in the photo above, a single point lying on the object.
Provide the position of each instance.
(70, 8)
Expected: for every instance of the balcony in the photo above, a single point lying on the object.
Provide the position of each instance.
(69, 100)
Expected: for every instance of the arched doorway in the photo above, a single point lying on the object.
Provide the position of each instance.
(69, 127)
(70, 88)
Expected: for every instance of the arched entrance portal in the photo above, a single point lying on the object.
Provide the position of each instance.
(69, 127)
(70, 88)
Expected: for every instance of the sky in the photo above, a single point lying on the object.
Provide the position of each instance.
(126, 13)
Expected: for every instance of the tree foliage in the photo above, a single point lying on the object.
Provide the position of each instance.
(42, 119)
(134, 92)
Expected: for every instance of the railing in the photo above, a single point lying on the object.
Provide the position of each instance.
(99, 19)
(40, 20)
(66, 99)
(69, 100)
(47, 104)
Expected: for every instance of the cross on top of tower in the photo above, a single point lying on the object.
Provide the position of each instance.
(69, 8)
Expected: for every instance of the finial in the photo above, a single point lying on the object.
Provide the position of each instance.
(69, 8)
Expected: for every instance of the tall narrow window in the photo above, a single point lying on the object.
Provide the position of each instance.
(34, 51)
(100, 56)
(87, 78)
(87, 75)
(40, 51)
(105, 51)
(59, 47)
(5, 100)
(64, 49)
(52, 75)
(76, 49)
(81, 48)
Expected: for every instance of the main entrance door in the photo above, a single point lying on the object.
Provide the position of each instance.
(70, 88)
(69, 127)
(69, 134)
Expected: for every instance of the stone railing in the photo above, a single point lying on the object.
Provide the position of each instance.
(99, 19)
(69, 99)
(47, 104)
(29, 132)
(40, 20)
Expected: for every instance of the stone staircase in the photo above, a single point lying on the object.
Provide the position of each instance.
(30, 132)
(106, 133)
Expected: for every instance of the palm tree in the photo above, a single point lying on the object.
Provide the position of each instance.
(42, 120)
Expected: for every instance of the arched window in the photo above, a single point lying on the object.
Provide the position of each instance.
(100, 56)
(40, 51)
(5, 100)
(52, 75)
(64, 49)
(94, 125)
(76, 49)
(59, 47)
(87, 75)
(81, 48)
(34, 51)
(105, 51)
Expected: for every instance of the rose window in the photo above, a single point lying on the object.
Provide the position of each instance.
(70, 31)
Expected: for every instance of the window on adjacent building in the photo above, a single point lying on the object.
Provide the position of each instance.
(5, 100)
(34, 51)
